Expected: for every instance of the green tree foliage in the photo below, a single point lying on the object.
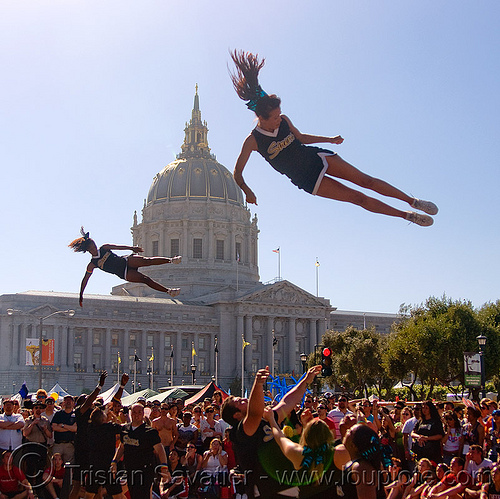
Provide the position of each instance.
(431, 339)
(357, 358)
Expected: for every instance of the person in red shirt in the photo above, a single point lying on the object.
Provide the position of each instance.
(13, 482)
(323, 415)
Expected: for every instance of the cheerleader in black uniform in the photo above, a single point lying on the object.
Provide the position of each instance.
(124, 267)
(309, 168)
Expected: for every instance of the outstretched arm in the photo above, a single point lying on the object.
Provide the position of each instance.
(255, 408)
(91, 398)
(248, 147)
(311, 139)
(85, 280)
(293, 397)
(135, 249)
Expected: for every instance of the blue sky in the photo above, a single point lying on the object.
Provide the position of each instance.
(94, 97)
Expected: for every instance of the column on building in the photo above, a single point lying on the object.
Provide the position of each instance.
(71, 348)
(58, 345)
(249, 348)
(16, 332)
(185, 239)
(107, 350)
(292, 340)
(239, 344)
(143, 355)
(211, 242)
(160, 355)
(88, 348)
(313, 339)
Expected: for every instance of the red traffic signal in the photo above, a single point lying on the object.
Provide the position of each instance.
(326, 362)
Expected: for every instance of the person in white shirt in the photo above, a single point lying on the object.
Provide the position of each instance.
(339, 413)
(11, 425)
(474, 460)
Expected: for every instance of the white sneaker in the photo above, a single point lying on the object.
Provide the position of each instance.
(177, 259)
(173, 292)
(419, 219)
(427, 206)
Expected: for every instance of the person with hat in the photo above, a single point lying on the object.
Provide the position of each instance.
(11, 425)
(37, 431)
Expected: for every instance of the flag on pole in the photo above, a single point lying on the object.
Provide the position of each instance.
(245, 343)
(193, 351)
(152, 356)
(277, 250)
(119, 358)
(317, 263)
(238, 257)
(216, 349)
(171, 351)
(275, 341)
(136, 359)
(23, 391)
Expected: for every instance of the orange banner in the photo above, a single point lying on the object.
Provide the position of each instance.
(47, 352)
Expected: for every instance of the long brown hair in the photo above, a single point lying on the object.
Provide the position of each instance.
(81, 244)
(246, 83)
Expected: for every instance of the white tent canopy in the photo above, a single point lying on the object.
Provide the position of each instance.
(108, 395)
(57, 388)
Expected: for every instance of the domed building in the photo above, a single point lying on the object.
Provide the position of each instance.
(195, 209)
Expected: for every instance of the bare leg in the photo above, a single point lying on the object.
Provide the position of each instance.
(137, 261)
(332, 189)
(133, 275)
(339, 168)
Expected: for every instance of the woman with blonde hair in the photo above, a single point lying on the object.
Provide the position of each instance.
(315, 455)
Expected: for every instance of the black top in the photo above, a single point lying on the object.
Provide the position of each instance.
(139, 446)
(110, 262)
(65, 418)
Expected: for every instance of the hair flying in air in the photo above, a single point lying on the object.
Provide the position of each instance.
(81, 244)
(246, 83)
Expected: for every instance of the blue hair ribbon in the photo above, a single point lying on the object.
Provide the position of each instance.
(259, 93)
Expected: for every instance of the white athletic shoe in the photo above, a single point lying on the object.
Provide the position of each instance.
(173, 292)
(419, 219)
(426, 206)
(177, 259)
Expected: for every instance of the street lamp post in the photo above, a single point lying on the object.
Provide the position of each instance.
(69, 313)
(481, 339)
(193, 372)
(303, 359)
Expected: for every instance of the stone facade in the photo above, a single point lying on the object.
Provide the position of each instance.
(194, 208)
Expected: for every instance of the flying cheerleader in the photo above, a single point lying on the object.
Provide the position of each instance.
(309, 168)
(124, 267)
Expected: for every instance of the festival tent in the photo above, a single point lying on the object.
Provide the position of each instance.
(108, 395)
(208, 391)
(131, 399)
(61, 392)
(175, 393)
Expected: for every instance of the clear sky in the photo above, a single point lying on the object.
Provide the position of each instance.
(94, 97)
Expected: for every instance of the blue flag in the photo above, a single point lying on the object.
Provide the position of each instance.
(23, 391)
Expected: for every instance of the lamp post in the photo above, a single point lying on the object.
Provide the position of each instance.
(481, 339)
(303, 359)
(69, 313)
(193, 372)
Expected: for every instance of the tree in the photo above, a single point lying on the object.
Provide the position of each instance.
(430, 342)
(357, 358)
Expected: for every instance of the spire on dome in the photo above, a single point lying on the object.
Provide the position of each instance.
(196, 131)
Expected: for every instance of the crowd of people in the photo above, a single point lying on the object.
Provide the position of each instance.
(301, 446)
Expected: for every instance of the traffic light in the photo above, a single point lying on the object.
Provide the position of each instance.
(326, 362)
